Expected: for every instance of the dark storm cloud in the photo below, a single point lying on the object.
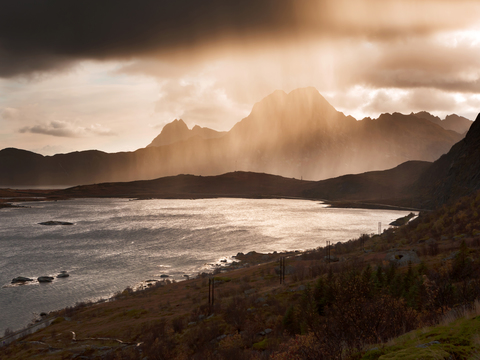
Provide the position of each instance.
(42, 35)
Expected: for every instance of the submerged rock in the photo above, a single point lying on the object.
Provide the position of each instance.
(55, 223)
(63, 274)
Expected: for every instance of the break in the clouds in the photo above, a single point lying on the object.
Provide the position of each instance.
(74, 71)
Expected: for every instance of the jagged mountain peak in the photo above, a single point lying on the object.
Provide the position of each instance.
(282, 115)
(426, 115)
(299, 100)
(177, 131)
(456, 123)
(452, 122)
(172, 132)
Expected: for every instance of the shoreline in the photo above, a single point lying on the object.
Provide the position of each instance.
(241, 261)
(8, 203)
(226, 267)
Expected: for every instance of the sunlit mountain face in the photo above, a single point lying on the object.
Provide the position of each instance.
(298, 135)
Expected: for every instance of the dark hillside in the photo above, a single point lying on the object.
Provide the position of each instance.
(455, 174)
(386, 186)
(236, 184)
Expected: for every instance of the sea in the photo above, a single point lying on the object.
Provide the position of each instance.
(118, 243)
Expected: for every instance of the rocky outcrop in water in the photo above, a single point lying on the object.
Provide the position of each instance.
(63, 274)
(21, 280)
(55, 223)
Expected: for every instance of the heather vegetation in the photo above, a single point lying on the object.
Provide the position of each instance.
(352, 304)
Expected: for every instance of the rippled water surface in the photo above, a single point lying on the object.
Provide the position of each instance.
(115, 243)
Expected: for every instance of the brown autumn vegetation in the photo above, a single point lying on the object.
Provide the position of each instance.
(324, 310)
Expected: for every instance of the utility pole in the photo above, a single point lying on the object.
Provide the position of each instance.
(282, 270)
(211, 292)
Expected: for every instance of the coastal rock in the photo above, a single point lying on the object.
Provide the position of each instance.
(403, 220)
(21, 280)
(63, 274)
(55, 223)
(43, 279)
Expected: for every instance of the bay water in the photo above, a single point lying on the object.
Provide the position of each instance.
(116, 243)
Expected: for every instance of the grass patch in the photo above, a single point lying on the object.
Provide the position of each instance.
(457, 340)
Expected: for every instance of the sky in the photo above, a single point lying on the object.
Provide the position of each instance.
(109, 74)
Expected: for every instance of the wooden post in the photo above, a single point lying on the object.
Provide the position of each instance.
(209, 292)
(280, 266)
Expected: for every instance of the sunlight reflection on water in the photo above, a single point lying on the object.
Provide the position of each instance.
(115, 243)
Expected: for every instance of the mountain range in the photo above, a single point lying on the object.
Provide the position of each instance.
(413, 184)
(453, 122)
(296, 135)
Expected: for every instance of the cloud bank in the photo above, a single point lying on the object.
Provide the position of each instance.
(49, 35)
